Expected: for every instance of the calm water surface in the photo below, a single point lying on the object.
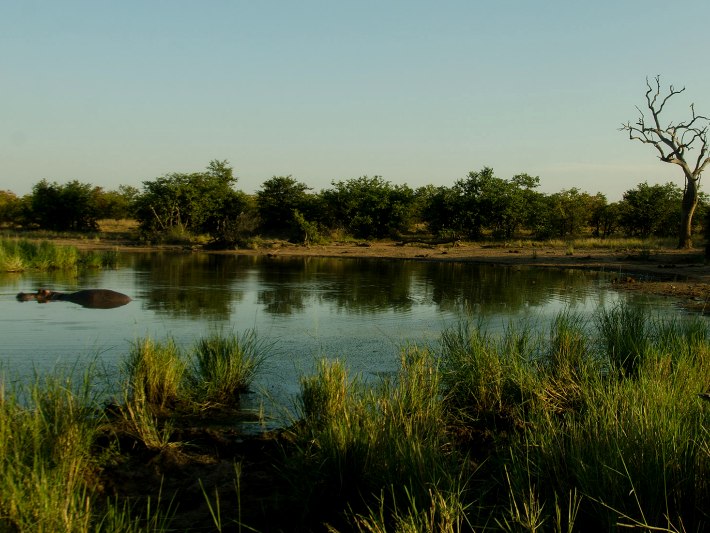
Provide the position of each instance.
(361, 311)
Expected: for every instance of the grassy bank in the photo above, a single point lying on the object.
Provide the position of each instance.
(17, 255)
(588, 426)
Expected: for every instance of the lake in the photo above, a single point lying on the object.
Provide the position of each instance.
(359, 310)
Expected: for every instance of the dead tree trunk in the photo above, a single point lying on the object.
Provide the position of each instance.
(673, 144)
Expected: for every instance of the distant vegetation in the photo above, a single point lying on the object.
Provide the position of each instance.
(585, 426)
(207, 206)
(17, 255)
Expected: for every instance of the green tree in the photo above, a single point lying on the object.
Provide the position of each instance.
(511, 204)
(475, 201)
(276, 202)
(441, 211)
(565, 214)
(10, 209)
(199, 202)
(64, 207)
(116, 204)
(483, 201)
(605, 218)
(369, 207)
(651, 210)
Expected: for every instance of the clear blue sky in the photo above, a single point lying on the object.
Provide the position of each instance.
(418, 92)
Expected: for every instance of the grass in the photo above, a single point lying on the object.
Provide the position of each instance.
(521, 432)
(223, 366)
(588, 425)
(18, 255)
(46, 433)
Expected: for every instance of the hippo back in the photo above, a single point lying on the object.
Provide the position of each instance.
(95, 298)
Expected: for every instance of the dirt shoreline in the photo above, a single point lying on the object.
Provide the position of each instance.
(679, 274)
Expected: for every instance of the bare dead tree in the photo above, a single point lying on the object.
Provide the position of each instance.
(673, 144)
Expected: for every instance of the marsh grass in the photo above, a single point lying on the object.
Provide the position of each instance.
(612, 431)
(484, 377)
(155, 372)
(625, 332)
(45, 440)
(588, 424)
(223, 366)
(379, 449)
(95, 259)
(143, 422)
(595, 423)
(17, 255)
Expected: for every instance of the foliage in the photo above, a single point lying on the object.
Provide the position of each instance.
(222, 367)
(566, 214)
(196, 203)
(178, 207)
(309, 231)
(651, 210)
(441, 211)
(64, 207)
(605, 219)
(276, 202)
(369, 207)
(10, 208)
(482, 201)
(116, 204)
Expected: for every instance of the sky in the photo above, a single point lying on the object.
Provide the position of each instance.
(419, 92)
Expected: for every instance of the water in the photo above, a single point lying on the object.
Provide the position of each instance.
(361, 311)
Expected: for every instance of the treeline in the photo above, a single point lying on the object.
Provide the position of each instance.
(179, 206)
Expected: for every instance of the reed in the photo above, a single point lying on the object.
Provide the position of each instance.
(522, 431)
(45, 440)
(375, 450)
(155, 372)
(17, 255)
(624, 331)
(23, 254)
(604, 425)
(633, 447)
(486, 380)
(223, 366)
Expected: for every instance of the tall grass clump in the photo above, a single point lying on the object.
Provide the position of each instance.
(23, 254)
(11, 256)
(485, 378)
(155, 372)
(633, 450)
(223, 366)
(46, 432)
(624, 332)
(597, 424)
(376, 454)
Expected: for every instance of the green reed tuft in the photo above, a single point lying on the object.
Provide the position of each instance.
(17, 255)
(45, 447)
(223, 366)
(156, 372)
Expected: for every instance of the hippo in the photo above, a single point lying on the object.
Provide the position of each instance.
(92, 298)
